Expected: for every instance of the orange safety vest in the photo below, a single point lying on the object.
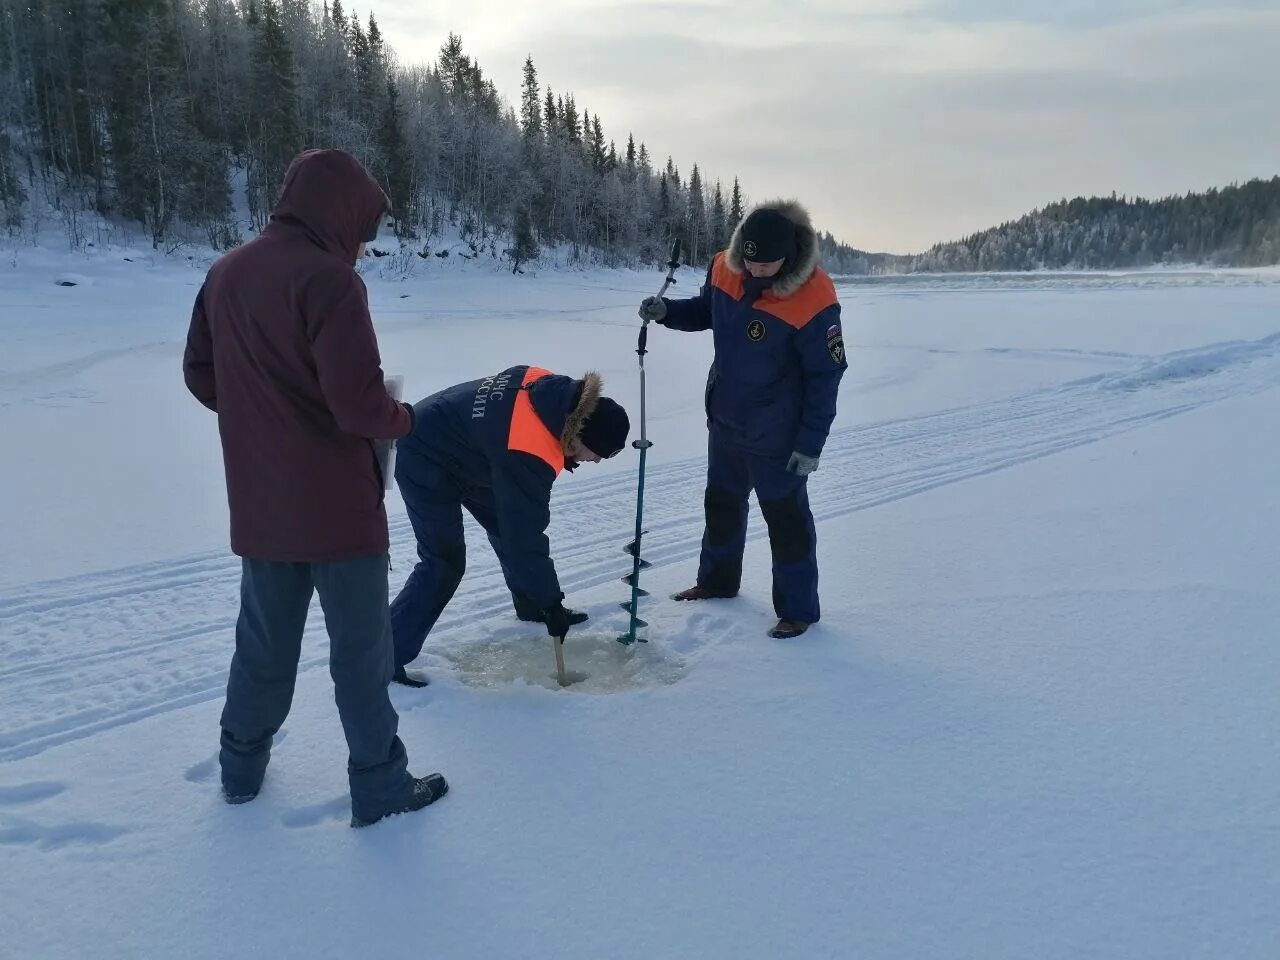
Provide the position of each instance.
(528, 433)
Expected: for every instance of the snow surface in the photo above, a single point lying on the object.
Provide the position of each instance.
(1039, 718)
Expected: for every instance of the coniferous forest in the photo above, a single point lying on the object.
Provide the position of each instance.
(176, 114)
(180, 116)
(1238, 226)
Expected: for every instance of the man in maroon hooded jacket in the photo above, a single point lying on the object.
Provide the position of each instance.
(282, 348)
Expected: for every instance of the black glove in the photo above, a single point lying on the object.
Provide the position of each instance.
(559, 620)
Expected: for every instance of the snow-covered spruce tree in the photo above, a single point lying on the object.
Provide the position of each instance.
(152, 110)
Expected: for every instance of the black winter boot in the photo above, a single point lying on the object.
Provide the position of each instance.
(575, 617)
(426, 791)
(788, 629)
(405, 680)
(235, 799)
(702, 593)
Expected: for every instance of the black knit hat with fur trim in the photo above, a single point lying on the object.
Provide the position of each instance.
(768, 235)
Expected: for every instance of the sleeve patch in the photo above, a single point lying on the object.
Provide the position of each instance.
(835, 344)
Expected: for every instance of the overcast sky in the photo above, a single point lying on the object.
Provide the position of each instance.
(899, 122)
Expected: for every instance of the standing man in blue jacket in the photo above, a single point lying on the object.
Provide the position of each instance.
(494, 447)
(771, 397)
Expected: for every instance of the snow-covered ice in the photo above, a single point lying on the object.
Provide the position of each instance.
(1039, 718)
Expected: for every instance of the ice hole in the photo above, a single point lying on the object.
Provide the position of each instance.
(597, 663)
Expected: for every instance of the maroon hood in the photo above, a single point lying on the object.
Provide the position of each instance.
(333, 197)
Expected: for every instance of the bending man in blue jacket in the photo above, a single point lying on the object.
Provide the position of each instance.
(771, 397)
(494, 447)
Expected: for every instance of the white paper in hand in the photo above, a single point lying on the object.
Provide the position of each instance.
(385, 450)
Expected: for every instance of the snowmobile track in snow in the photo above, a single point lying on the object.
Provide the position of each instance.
(158, 636)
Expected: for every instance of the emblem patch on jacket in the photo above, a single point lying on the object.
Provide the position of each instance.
(835, 343)
(755, 331)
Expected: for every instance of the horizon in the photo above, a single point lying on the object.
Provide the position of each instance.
(1142, 99)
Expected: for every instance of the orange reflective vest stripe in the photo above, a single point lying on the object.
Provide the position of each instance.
(528, 433)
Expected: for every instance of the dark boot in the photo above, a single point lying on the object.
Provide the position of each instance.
(405, 680)
(575, 617)
(236, 799)
(426, 791)
(243, 767)
(788, 629)
(702, 593)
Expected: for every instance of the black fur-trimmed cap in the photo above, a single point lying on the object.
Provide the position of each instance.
(767, 235)
(799, 268)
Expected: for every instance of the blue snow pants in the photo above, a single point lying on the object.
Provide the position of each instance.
(434, 498)
(732, 474)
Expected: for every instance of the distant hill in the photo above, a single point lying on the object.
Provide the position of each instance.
(839, 258)
(1236, 226)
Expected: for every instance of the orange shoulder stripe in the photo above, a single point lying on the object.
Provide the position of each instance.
(528, 433)
(725, 279)
(797, 310)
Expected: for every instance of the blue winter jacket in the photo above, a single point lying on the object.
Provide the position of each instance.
(505, 436)
(779, 349)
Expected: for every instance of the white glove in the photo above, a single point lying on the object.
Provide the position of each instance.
(653, 309)
(801, 465)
